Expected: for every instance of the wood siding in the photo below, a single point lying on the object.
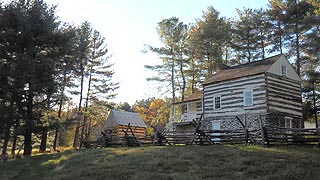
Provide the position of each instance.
(118, 134)
(283, 95)
(231, 93)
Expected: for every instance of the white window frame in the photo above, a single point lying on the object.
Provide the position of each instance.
(244, 97)
(288, 122)
(283, 70)
(214, 102)
(185, 108)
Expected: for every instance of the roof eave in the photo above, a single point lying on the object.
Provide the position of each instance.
(181, 102)
(203, 84)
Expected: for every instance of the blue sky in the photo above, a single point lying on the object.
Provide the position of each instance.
(129, 24)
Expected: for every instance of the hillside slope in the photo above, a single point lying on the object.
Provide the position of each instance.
(176, 162)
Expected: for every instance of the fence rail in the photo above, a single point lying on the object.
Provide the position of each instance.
(262, 136)
(292, 135)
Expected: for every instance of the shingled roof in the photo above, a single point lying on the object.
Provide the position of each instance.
(243, 70)
(195, 96)
(117, 117)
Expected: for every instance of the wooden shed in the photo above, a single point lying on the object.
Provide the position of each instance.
(117, 122)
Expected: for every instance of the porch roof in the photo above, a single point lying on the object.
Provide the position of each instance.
(196, 96)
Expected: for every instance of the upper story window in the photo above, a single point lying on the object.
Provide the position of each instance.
(248, 97)
(216, 102)
(283, 70)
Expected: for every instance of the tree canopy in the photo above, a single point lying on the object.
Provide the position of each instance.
(42, 58)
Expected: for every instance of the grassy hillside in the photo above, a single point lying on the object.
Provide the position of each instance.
(177, 162)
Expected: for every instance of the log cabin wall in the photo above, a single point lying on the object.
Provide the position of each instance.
(283, 100)
(274, 97)
(232, 103)
(118, 134)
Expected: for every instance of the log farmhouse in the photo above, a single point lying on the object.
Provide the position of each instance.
(267, 91)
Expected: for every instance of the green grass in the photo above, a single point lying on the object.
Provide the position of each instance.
(170, 162)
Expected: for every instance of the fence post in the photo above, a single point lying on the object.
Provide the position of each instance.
(246, 135)
(196, 129)
(245, 130)
(262, 132)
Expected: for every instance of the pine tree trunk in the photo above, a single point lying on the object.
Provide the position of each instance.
(89, 130)
(248, 45)
(262, 45)
(43, 144)
(14, 142)
(62, 135)
(86, 108)
(280, 37)
(82, 131)
(173, 89)
(5, 143)
(54, 146)
(44, 133)
(76, 135)
(315, 107)
(183, 81)
(193, 83)
(28, 126)
(297, 49)
(14, 145)
(27, 142)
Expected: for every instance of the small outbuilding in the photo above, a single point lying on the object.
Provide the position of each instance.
(118, 122)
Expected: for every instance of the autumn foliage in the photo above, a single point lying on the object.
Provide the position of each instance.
(155, 112)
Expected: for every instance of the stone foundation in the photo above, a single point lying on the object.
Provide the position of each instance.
(252, 121)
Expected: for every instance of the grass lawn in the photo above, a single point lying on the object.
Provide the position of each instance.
(169, 162)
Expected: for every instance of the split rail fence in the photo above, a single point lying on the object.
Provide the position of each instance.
(277, 135)
(263, 136)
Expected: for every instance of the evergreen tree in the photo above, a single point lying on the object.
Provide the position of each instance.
(311, 93)
(208, 41)
(297, 23)
(65, 77)
(276, 20)
(262, 25)
(30, 36)
(295, 19)
(245, 35)
(100, 84)
(172, 33)
(82, 58)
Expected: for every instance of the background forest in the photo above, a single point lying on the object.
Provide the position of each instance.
(191, 53)
(56, 84)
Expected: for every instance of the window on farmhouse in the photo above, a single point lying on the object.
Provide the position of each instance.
(288, 122)
(283, 70)
(248, 97)
(217, 102)
(185, 108)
